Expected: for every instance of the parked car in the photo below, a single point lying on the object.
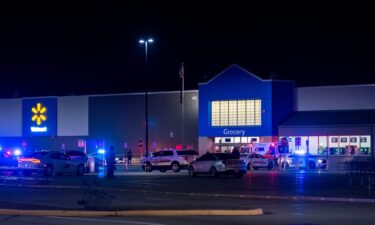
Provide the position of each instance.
(144, 157)
(217, 164)
(6, 160)
(169, 159)
(96, 160)
(120, 159)
(295, 160)
(53, 162)
(257, 161)
(77, 155)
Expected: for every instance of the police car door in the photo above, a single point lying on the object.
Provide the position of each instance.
(165, 158)
(65, 162)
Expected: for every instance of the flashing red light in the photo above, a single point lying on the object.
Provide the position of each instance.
(273, 144)
(9, 152)
(178, 147)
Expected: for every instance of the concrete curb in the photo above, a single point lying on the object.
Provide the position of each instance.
(70, 213)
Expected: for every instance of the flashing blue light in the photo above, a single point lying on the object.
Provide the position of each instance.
(1, 148)
(17, 152)
(101, 151)
(320, 161)
(300, 152)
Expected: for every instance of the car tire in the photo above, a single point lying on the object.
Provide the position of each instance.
(239, 175)
(192, 172)
(163, 170)
(80, 170)
(48, 170)
(312, 165)
(213, 172)
(248, 166)
(176, 167)
(148, 167)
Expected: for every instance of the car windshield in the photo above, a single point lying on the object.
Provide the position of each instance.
(36, 155)
(75, 153)
(187, 152)
(224, 156)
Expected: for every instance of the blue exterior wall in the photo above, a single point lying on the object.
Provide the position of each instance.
(283, 102)
(235, 83)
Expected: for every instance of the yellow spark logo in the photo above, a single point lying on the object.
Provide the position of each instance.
(39, 111)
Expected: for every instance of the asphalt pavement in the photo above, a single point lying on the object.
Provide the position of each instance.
(134, 185)
(286, 197)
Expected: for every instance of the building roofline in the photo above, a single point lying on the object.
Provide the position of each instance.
(327, 125)
(229, 67)
(345, 85)
(104, 95)
(287, 81)
(143, 93)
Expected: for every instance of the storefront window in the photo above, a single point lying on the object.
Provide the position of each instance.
(241, 113)
(236, 113)
(313, 145)
(353, 140)
(215, 113)
(345, 145)
(224, 114)
(322, 149)
(365, 145)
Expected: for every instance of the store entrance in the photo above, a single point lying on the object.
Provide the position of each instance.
(226, 144)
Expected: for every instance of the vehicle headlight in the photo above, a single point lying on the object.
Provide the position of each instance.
(320, 161)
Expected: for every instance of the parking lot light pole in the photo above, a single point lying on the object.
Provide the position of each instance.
(145, 42)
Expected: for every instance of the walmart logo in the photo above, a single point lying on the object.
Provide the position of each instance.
(39, 113)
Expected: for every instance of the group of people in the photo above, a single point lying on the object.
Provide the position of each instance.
(110, 159)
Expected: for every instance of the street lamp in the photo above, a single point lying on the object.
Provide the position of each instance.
(145, 43)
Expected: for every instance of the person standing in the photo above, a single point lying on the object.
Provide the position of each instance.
(236, 153)
(110, 158)
(129, 155)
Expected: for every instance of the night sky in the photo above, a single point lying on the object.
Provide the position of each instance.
(52, 49)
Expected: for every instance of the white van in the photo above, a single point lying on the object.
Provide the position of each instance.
(267, 150)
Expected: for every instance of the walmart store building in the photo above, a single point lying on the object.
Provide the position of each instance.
(234, 108)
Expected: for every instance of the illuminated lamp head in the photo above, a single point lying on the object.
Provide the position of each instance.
(17, 152)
